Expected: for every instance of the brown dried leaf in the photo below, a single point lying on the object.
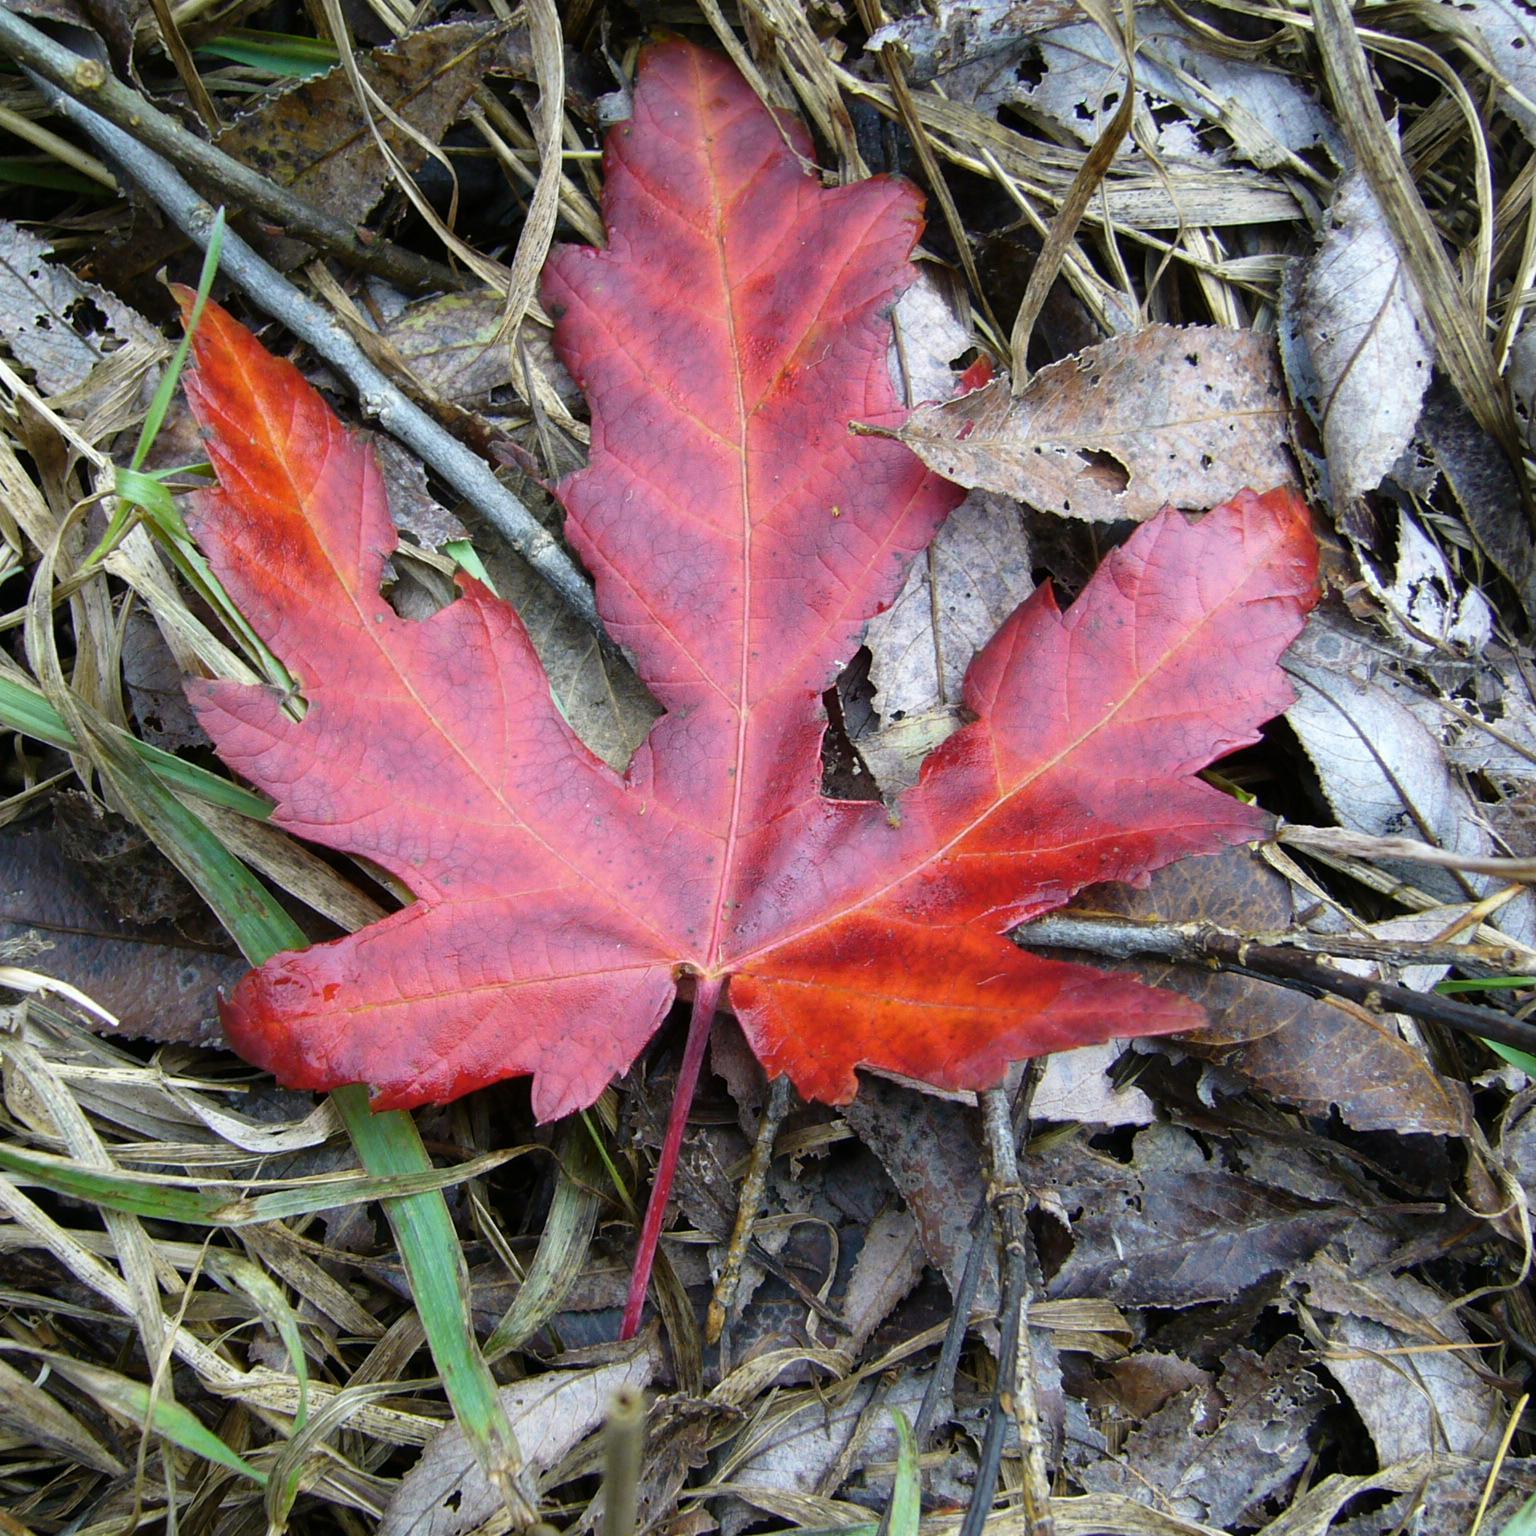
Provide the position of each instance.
(929, 1148)
(412, 506)
(1221, 1456)
(1174, 1227)
(451, 346)
(316, 138)
(160, 985)
(1187, 415)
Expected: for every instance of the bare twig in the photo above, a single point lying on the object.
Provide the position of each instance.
(85, 79)
(1015, 1393)
(1126, 939)
(942, 1380)
(1129, 937)
(1361, 845)
(379, 398)
(780, 1097)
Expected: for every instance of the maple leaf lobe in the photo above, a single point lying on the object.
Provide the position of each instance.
(734, 327)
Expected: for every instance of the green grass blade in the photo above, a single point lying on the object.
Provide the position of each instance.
(907, 1492)
(166, 389)
(297, 58)
(25, 710)
(387, 1144)
(439, 1279)
(192, 1201)
(1514, 1056)
(159, 1415)
(1523, 1522)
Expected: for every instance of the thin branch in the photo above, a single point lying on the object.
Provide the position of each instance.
(1125, 939)
(86, 80)
(470, 476)
(1361, 845)
(1015, 1391)
(780, 1098)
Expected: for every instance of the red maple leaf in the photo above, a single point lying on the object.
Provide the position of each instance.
(740, 537)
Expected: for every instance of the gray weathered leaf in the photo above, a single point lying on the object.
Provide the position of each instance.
(1388, 1340)
(1218, 1455)
(929, 1147)
(1176, 1227)
(1384, 773)
(1358, 349)
(446, 1493)
(973, 47)
(1508, 32)
(1269, 115)
(1076, 1086)
(975, 573)
(56, 325)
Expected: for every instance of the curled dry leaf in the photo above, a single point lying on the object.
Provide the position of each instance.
(740, 537)
(1176, 1226)
(1171, 415)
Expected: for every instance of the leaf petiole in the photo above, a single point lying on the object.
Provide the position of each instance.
(706, 998)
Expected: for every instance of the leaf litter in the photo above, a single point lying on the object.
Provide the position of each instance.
(1309, 1204)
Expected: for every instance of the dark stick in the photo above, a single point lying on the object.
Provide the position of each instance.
(1014, 1395)
(402, 418)
(1124, 939)
(959, 1325)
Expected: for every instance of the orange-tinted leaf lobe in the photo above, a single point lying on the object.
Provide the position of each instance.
(740, 536)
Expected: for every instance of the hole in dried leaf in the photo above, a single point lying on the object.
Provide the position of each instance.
(1104, 470)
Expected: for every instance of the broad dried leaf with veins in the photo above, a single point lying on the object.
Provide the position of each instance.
(1186, 415)
(740, 537)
